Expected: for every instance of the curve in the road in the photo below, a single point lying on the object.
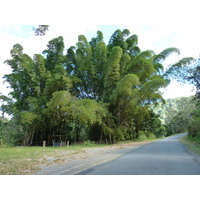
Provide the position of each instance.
(164, 157)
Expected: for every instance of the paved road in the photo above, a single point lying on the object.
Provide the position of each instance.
(164, 157)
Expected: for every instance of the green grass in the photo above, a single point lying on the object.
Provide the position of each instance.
(20, 160)
(25, 160)
(193, 145)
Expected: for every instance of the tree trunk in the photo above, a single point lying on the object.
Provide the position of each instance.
(101, 136)
(78, 132)
(137, 132)
(110, 137)
(172, 128)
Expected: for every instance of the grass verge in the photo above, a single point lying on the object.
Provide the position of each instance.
(26, 160)
(194, 146)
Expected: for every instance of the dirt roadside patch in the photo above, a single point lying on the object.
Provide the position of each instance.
(75, 163)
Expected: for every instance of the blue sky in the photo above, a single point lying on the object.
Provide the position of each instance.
(24, 31)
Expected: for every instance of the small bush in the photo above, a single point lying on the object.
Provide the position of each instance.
(150, 135)
(142, 135)
(194, 130)
(88, 143)
(160, 132)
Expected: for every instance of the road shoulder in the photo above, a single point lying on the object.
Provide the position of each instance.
(90, 158)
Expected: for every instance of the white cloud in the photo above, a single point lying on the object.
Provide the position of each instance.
(175, 89)
(158, 37)
(6, 43)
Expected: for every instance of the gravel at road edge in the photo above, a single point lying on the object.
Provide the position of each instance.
(91, 157)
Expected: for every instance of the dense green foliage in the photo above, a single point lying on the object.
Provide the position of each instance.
(93, 92)
(176, 114)
(189, 71)
(194, 78)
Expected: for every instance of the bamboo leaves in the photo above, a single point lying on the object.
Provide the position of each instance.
(125, 87)
(103, 89)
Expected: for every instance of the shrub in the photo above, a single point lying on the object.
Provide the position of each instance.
(194, 129)
(142, 135)
(88, 143)
(150, 135)
(160, 132)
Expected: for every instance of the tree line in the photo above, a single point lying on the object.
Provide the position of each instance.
(188, 71)
(176, 114)
(95, 91)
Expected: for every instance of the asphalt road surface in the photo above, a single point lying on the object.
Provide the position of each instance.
(164, 157)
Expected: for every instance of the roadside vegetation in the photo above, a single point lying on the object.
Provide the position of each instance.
(191, 143)
(176, 114)
(27, 160)
(190, 73)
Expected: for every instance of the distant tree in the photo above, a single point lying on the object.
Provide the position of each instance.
(41, 30)
(177, 114)
(188, 70)
(194, 77)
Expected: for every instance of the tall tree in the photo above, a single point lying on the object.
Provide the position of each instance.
(105, 90)
(112, 71)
